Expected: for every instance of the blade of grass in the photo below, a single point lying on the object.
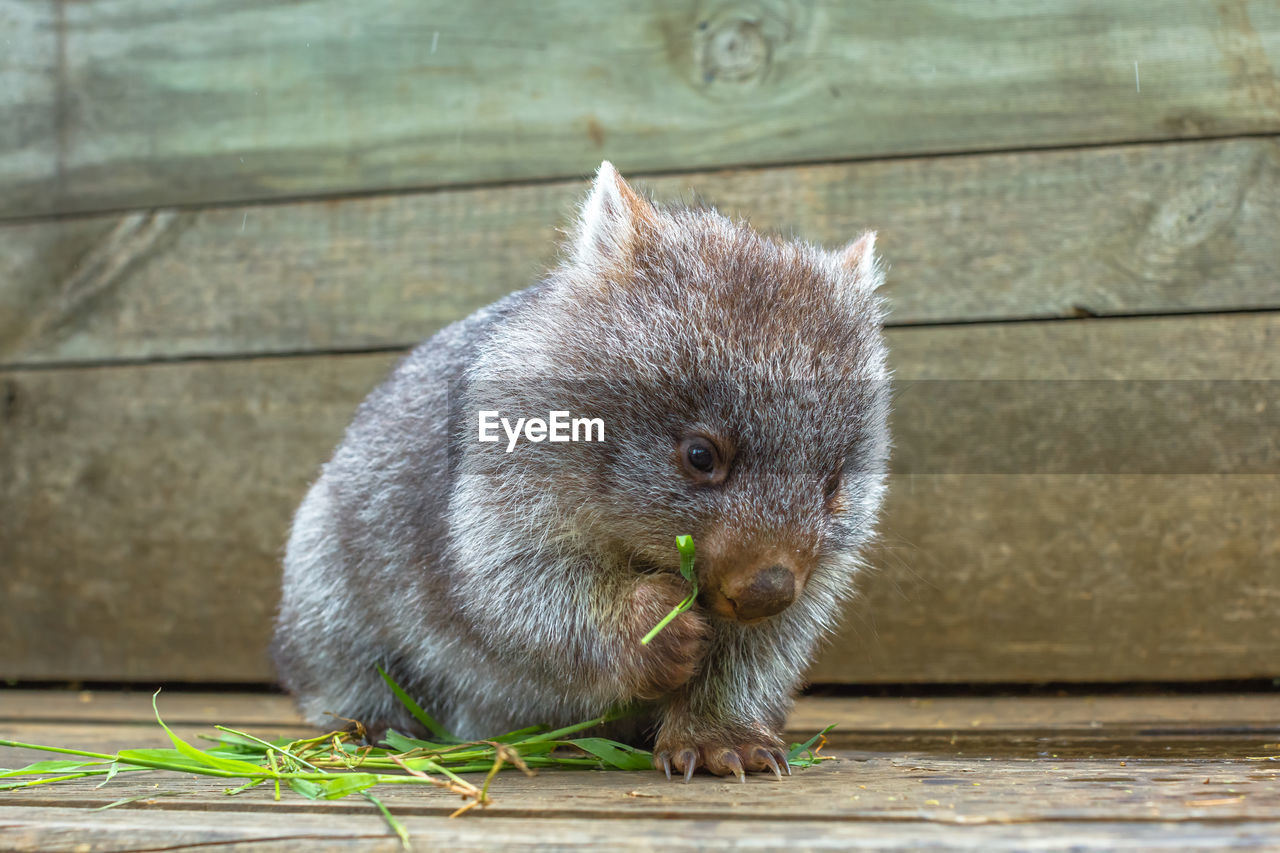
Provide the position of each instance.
(684, 544)
(49, 780)
(614, 754)
(415, 709)
(127, 800)
(111, 773)
(396, 826)
(48, 767)
(608, 717)
(234, 765)
(17, 744)
(266, 745)
(404, 743)
(796, 754)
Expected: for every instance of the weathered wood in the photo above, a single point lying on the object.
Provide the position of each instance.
(209, 102)
(883, 779)
(974, 788)
(886, 794)
(885, 714)
(160, 532)
(51, 830)
(63, 705)
(1134, 229)
(157, 498)
(30, 143)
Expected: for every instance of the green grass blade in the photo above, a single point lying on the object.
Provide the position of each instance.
(40, 767)
(519, 734)
(560, 734)
(404, 743)
(616, 755)
(310, 790)
(49, 780)
(684, 544)
(416, 710)
(231, 765)
(396, 826)
(17, 744)
(111, 773)
(231, 743)
(347, 783)
(127, 800)
(266, 745)
(796, 754)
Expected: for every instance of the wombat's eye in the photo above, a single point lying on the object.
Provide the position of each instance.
(701, 460)
(831, 487)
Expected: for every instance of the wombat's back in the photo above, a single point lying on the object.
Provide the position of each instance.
(365, 574)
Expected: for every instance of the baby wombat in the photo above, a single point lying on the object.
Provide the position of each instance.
(741, 388)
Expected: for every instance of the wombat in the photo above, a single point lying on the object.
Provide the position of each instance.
(741, 385)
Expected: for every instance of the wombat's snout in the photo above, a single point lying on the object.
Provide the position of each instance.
(765, 593)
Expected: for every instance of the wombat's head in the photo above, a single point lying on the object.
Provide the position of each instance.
(742, 385)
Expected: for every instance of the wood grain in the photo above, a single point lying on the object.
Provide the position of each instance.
(127, 104)
(1085, 779)
(864, 785)
(30, 139)
(1135, 229)
(55, 830)
(146, 506)
(106, 709)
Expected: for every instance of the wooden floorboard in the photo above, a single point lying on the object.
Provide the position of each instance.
(857, 713)
(962, 773)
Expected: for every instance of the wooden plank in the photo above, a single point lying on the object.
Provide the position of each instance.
(157, 498)
(153, 551)
(209, 102)
(64, 705)
(31, 113)
(965, 787)
(1118, 792)
(1134, 229)
(866, 785)
(883, 779)
(885, 714)
(50, 830)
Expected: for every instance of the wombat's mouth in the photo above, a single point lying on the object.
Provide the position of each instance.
(721, 606)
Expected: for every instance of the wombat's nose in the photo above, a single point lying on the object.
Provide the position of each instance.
(767, 593)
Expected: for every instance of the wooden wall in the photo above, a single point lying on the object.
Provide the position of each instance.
(220, 222)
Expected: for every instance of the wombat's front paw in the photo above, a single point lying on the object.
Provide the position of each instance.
(672, 657)
(722, 753)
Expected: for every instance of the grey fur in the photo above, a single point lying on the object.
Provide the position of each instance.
(492, 585)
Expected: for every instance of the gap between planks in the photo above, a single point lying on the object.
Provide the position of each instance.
(641, 175)
(883, 714)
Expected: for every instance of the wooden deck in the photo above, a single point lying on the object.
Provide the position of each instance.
(1086, 773)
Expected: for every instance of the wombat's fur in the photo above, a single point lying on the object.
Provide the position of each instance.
(742, 384)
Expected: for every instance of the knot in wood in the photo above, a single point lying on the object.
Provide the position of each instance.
(735, 50)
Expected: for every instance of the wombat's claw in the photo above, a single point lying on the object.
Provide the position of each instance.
(729, 759)
(722, 759)
(689, 758)
(773, 764)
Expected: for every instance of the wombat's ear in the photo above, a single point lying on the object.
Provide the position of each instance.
(859, 258)
(610, 221)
